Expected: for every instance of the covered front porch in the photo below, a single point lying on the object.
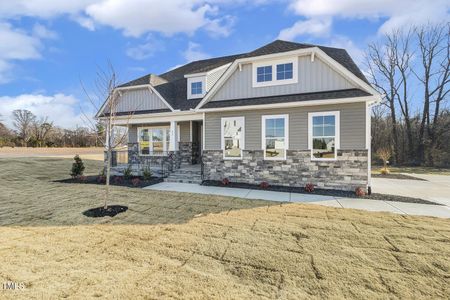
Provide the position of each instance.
(163, 145)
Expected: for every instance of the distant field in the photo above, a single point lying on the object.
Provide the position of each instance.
(188, 246)
(85, 153)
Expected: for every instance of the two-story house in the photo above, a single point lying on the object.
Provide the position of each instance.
(286, 113)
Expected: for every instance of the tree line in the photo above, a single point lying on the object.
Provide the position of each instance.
(31, 131)
(411, 68)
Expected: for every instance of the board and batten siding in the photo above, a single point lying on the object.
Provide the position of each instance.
(316, 76)
(352, 126)
(139, 99)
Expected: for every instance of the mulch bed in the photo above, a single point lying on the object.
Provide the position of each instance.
(397, 176)
(318, 191)
(110, 211)
(133, 182)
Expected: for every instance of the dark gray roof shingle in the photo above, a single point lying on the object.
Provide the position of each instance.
(173, 86)
(350, 93)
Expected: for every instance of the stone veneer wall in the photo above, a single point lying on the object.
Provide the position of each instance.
(185, 152)
(136, 160)
(347, 172)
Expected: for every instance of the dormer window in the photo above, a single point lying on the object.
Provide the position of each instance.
(196, 88)
(275, 72)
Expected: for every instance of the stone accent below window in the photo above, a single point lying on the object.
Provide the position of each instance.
(347, 172)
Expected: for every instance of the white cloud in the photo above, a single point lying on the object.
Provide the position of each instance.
(398, 13)
(194, 52)
(313, 27)
(145, 50)
(136, 17)
(346, 43)
(15, 45)
(40, 31)
(60, 108)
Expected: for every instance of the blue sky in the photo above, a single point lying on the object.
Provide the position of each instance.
(47, 46)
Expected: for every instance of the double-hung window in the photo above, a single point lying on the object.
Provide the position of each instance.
(275, 136)
(196, 88)
(232, 133)
(323, 135)
(153, 141)
(264, 73)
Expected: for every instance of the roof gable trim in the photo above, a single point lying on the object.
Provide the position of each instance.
(313, 51)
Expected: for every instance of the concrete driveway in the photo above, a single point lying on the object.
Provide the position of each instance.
(436, 188)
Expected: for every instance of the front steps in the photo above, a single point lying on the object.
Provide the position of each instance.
(186, 174)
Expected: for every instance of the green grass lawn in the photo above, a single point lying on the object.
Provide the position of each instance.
(414, 170)
(172, 245)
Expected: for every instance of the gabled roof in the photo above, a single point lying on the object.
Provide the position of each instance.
(172, 85)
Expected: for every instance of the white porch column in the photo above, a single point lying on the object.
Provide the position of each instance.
(173, 136)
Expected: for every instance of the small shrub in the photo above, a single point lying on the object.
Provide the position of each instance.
(385, 171)
(118, 180)
(309, 187)
(101, 179)
(225, 181)
(147, 173)
(136, 182)
(127, 173)
(264, 185)
(360, 192)
(384, 154)
(77, 167)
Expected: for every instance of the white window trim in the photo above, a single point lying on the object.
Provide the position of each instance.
(191, 80)
(164, 139)
(337, 139)
(222, 143)
(286, 135)
(274, 63)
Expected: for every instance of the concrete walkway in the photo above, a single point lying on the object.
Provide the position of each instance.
(364, 204)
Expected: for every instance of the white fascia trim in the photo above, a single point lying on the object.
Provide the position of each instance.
(286, 134)
(132, 87)
(291, 104)
(337, 133)
(157, 118)
(161, 97)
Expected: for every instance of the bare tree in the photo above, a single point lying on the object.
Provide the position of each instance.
(23, 122)
(41, 129)
(434, 47)
(106, 88)
(381, 60)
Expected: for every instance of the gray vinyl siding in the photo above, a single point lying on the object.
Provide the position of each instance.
(352, 126)
(140, 99)
(312, 77)
(212, 78)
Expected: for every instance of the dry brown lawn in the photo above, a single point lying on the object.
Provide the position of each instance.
(172, 245)
(88, 153)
